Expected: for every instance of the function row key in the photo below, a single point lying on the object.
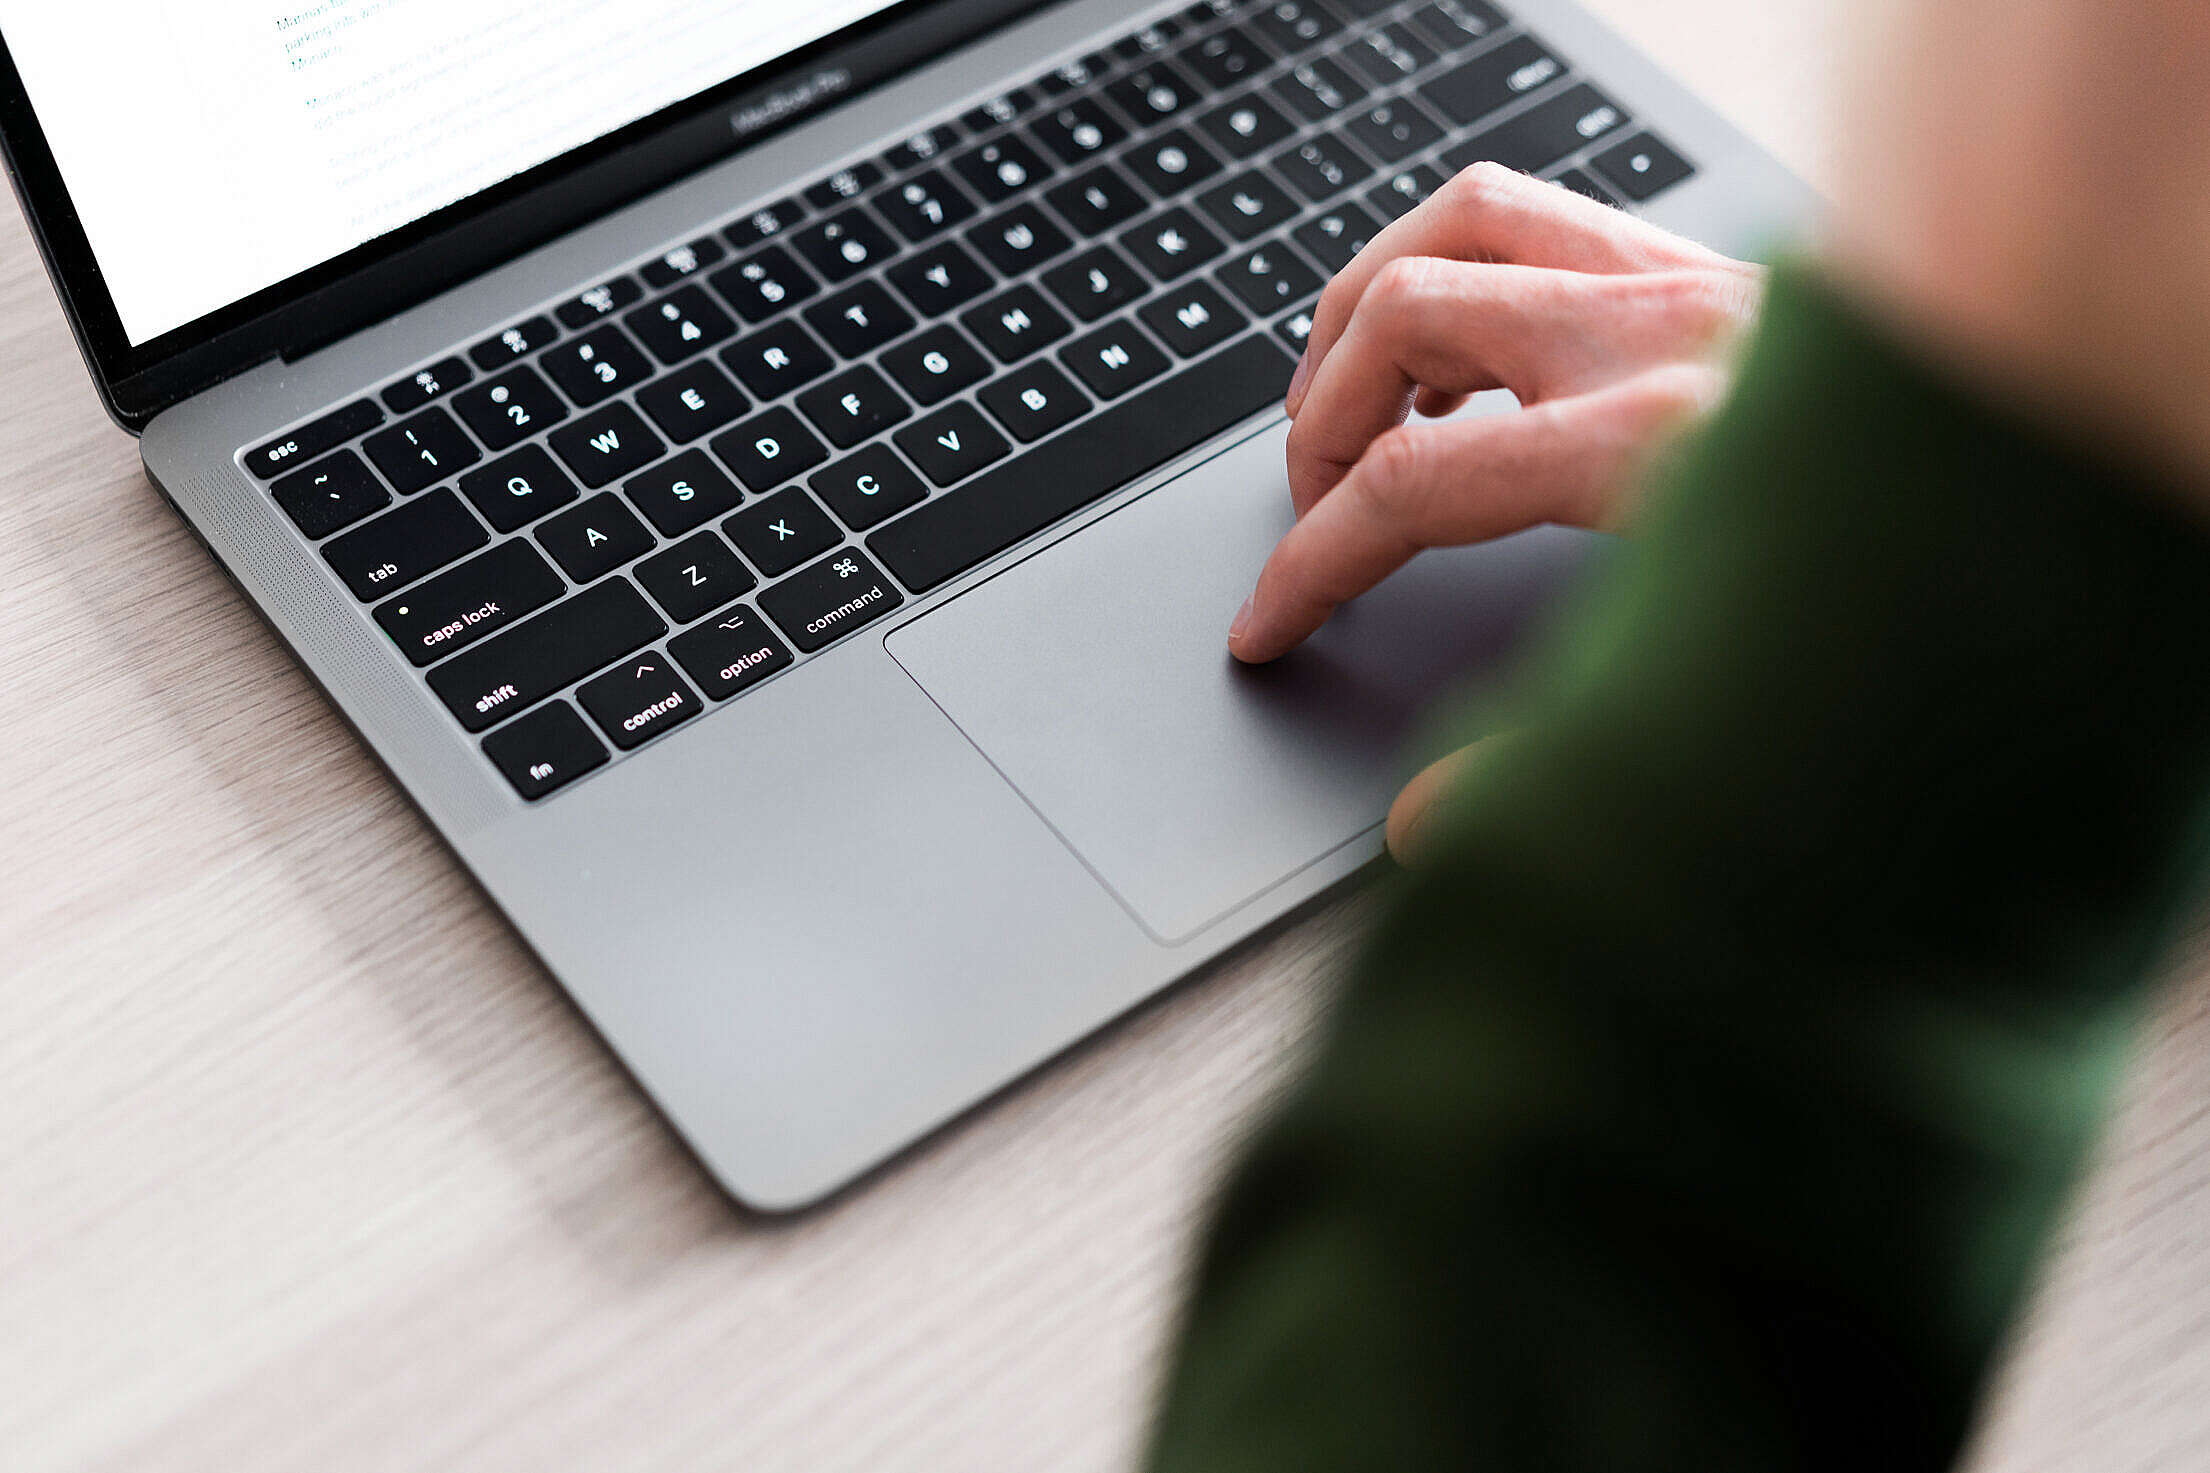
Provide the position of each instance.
(1070, 76)
(683, 261)
(923, 147)
(1005, 108)
(765, 223)
(603, 300)
(420, 387)
(311, 439)
(1149, 40)
(843, 186)
(515, 343)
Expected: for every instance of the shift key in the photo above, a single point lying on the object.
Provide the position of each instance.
(472, 602)
(551, 652)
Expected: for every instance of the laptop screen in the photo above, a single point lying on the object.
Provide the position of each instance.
(214, 148)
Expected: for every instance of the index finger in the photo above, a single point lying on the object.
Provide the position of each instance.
(1491, 213)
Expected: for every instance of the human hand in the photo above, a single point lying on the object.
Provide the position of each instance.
(1610, 331)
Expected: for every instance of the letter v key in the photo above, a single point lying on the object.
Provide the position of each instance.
(952, 444)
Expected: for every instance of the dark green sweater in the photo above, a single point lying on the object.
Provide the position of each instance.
(1706, 1104)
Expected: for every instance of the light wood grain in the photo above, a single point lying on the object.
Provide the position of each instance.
(304, 1164)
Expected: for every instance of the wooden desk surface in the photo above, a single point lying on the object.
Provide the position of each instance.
(305, 1164)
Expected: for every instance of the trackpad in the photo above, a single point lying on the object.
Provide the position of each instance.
(1095, 676)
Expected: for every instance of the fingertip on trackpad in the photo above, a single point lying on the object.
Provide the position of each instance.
(1092, 676)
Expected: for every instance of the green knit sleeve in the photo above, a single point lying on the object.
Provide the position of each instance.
(1706, 1103)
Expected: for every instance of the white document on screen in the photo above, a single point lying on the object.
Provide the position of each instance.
(216, 147)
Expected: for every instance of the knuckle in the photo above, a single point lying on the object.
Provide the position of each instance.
(1483, 184)
(1400, 288)
(1392, 472)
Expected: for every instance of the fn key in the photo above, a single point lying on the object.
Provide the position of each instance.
(544, 750)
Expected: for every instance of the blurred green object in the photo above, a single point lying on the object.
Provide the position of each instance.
(1706, 1104)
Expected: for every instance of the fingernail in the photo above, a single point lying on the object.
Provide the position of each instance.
(1242, 622)
(1297, 380)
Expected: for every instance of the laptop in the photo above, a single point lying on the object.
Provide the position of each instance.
(771, 481)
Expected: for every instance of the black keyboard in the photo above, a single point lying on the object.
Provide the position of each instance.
(613, 515)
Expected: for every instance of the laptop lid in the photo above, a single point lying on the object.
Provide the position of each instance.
(216, 183)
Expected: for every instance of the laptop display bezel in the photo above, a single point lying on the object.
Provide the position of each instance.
(394, 271)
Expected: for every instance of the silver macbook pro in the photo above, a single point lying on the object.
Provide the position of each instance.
(771, 481)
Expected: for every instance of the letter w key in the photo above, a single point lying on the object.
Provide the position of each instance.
(606, 443)
(951, 444)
